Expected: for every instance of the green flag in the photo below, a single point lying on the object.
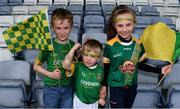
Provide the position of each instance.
(177, 47)
(31, 33)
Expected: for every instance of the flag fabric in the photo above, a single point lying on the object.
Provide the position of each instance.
(161, 42)
(177, 47)
(32, 33)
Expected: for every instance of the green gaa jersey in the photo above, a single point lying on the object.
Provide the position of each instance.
(116, 53)
(55, 60)
(88, 82)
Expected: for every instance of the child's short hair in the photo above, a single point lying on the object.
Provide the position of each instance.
(61, 14)
(92, 47)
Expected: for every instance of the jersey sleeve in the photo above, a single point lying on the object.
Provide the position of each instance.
(73, 68)
(41, 57)
(106, 55)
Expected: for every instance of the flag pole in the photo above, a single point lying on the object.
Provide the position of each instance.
(161, 79)
(51, 40)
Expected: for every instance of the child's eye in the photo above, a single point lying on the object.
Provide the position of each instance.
(129, 24)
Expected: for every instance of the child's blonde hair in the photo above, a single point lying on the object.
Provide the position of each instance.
(92, 47)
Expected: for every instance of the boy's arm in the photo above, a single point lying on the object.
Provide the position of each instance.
(69, 57)
(102, 98)
(56, 74)
(103, 92)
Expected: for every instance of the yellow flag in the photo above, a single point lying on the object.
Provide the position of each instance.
(159, 42)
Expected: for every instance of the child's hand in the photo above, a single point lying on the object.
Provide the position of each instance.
(166, 69)
(56, 74)
(101, 101)
(76, 46)
(127, 67)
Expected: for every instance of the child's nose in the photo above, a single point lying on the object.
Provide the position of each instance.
(124, 28)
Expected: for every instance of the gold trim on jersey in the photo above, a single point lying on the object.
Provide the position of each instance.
(116, 39)
(112, 41)
(69, 73)
(37, 61)
(105, 60)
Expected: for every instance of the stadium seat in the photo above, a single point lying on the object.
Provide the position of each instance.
(141, 3)
(173, 96)
(148, 96)
(147, 77)
(35, 9)
(15, 2)
(77, 21)
(108, 2)
(44, 2)
(173, 77)
(13, 93)
(93, 10)
(93, 23)
(6, 21)
(37, 93)
(30, 2)
(171, 11)
(30, 55)
(136, 10)
(76, 9)
(141, 23)
(22, 10)
(5, 10)
(124, 2)
(76, 2)
(172, 3)
(101, 37)
(92, 2)
(5, 54)
(3, 2)
(74, 37)
(60, 2)
(51, 8)
(15, 70)
(159, 3)
(149, 11)
(77, 24)
(20, 18)
(107, 9)
(178, 24)
(166, 20)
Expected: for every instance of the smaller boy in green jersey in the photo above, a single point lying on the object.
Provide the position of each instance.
(58, 91)
(88, 75)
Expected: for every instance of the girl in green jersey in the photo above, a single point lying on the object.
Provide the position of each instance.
(122, 54)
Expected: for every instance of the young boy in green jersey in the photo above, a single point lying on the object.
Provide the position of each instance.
(58, 88)
(88, 75)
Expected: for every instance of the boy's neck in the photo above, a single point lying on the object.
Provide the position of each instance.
(93, 67)
(62, 42)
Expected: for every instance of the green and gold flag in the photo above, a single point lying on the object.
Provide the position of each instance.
(161, 42)
(33, 32)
